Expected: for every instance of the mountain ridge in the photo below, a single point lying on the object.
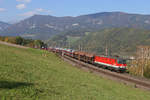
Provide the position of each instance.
(45, 26)
(4, 25)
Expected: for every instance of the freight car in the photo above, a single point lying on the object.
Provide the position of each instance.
(84, 56)
(68, 52)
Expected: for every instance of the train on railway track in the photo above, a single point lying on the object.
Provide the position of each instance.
(107, 62)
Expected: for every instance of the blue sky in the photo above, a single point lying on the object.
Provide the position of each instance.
(15, 10)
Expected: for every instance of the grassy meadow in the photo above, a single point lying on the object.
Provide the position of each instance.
(29, 74)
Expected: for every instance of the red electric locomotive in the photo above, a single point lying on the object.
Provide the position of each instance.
(111, 63)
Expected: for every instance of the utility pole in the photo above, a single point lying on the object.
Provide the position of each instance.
(106, 50)
(79, 47)
(69, 44)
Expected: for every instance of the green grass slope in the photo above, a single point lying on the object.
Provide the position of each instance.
(27, 74)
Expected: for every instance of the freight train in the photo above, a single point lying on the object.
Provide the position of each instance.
(107, 62)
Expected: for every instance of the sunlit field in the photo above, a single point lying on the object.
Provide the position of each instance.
(36, 74)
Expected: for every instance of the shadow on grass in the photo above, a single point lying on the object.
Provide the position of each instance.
(12, 85)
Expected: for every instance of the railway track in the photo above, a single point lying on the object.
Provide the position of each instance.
(124, 78)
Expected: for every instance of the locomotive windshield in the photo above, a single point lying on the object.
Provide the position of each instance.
(121, 61)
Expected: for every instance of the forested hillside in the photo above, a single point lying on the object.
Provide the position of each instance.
(117, 40)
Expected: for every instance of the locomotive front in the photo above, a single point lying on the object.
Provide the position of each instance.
(121, 63)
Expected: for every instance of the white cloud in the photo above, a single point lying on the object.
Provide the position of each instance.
(36, 11)
(2, 9)
(26, 1)
(21, 6)
(42, 10)
(28, 14)
(39, 9)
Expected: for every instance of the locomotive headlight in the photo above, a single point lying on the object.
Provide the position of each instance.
(122, 66)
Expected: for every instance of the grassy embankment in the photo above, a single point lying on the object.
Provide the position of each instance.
(30, 74)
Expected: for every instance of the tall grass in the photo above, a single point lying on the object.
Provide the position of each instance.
(140, 67)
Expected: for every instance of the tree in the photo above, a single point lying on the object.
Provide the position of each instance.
(19, 40)
(6, 39)
(38, 44)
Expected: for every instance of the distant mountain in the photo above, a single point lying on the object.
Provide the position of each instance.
(45, 26)
(3, 25)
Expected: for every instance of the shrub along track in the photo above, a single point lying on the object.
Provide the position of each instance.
(120, 77)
